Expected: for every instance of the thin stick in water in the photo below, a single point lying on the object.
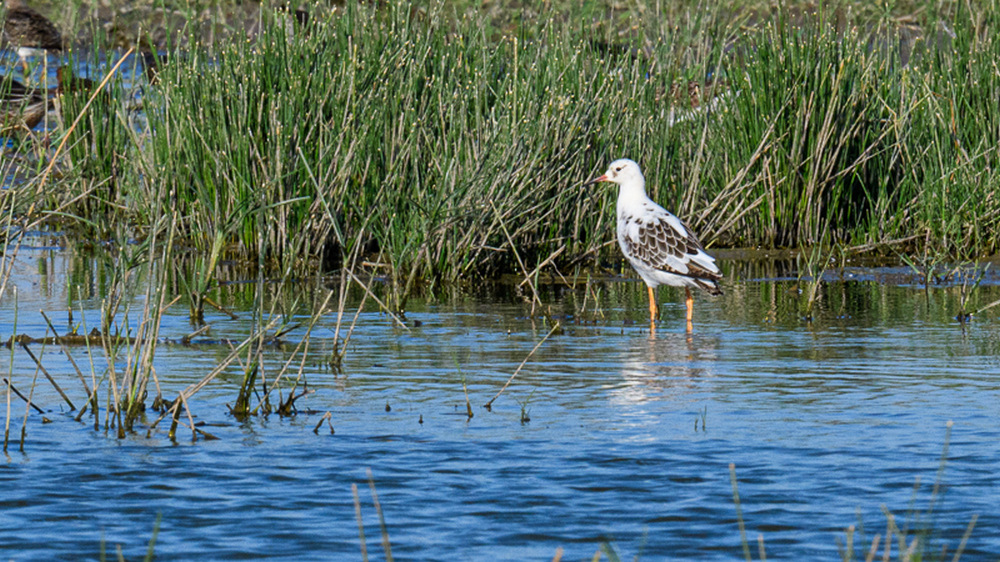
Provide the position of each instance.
(874, 549)
(468, 404)
(545, 262)
(376, 299)
(381, 518)
(849, 550)
(186, 340)
(65, 350)
(27, 410)
(489, 404)
(534, 293)
(41, 368)
(739, 512)
(935, 491)
(965, 538)
(11, 388)
(152, 539)
(325, 417)
(361, 525)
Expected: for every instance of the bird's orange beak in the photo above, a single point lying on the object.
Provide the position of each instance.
(598, 179)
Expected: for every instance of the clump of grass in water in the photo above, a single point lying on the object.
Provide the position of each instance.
(254, 365)
(827, 129)
(149, 557)
(128, 389)
(916, 547)
(970, 277)
(102, 146)
(813, 264)
(702, 416)
(525, 412)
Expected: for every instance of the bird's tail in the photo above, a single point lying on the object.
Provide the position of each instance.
(710, 286)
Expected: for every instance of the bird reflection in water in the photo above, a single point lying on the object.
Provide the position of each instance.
(665, 366)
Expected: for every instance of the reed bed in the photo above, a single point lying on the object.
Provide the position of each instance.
(428, 146)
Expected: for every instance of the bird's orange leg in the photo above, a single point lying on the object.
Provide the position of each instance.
(652, 305)
(652, 311)
(689, 302)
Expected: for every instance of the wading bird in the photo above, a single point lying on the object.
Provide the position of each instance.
(29, 32)
(21, 108)
(661, 248)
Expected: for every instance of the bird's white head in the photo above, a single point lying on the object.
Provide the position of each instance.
(624, 172)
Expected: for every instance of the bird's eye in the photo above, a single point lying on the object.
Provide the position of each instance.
(618, 169)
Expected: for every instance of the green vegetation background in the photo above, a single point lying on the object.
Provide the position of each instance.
(443, 140)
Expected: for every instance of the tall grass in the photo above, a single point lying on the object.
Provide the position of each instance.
(432, 147)
(856, 142)
(380, 130)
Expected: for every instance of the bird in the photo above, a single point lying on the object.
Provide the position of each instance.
(150, 65)
(661, 248)
(688, 101)
(29, 32)
(21, 108)
(68, 81)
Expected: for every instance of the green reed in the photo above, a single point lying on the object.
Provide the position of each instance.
(101, 147)
(430, 146)
(375, 124)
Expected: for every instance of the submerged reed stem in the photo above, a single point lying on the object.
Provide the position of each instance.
(739, 513)
(386, 548)
(361, 525)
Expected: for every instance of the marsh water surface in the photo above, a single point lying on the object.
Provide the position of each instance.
(628, 444)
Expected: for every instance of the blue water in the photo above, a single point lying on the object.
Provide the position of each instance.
(629, 441)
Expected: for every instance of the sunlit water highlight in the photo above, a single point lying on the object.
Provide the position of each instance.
(629, 439)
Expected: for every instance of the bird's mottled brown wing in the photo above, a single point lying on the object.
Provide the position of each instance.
(658, 244)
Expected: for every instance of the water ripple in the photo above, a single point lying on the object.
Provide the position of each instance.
(629, 442)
